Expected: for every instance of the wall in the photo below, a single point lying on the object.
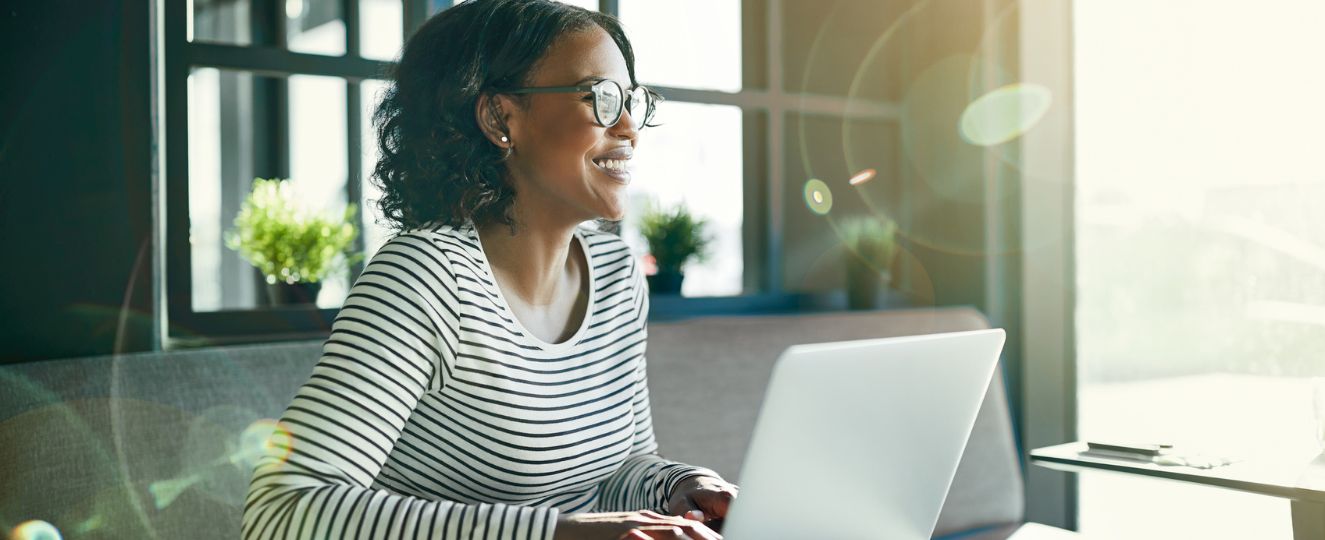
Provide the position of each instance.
(75, 179)
(926, 60)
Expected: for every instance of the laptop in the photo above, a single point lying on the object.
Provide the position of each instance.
(859, 440)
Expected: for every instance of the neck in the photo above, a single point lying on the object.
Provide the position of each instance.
(535, 263)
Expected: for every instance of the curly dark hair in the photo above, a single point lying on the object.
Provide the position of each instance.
(436, 163)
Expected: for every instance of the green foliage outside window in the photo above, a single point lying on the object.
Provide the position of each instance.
(286, 242)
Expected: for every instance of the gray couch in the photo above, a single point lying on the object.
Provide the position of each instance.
(141, 445)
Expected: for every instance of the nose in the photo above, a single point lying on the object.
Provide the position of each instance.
(625, 128)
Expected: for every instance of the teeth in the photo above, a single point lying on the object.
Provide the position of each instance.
(618, 165)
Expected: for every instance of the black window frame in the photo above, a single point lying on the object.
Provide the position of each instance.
(763, 99)
(266, 57)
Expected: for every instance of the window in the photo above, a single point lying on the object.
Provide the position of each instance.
(285, 89)
(1200, 249)
(269, 89)
(265, 89)
(695, 157)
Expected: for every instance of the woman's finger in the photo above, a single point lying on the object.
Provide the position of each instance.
(682, 507)
(666, 532)
(634, 534)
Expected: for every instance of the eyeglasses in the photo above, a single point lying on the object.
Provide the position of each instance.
(608, 98)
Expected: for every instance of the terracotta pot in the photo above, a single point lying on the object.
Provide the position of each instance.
(289, 294)
(864, 284)
(666, 282)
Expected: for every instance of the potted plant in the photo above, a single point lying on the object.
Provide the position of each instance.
(674, 237)
(871, 247)
(295, 248)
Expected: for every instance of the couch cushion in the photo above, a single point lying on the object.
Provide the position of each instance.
(707, 379)
(138, 445)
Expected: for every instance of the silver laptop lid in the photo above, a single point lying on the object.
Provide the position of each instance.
(860, 440)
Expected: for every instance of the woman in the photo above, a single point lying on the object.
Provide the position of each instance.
(486, 376)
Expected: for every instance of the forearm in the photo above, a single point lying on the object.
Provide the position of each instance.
(280, 509)
(645, 482)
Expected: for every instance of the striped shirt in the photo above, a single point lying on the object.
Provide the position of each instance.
(434, 414)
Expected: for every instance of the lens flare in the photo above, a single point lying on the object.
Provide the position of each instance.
(818, 197)
(1004, 114)
(946, 174)
(221, 464)
(862, 177)
(35, 530)
(165, 492)
(264, 438)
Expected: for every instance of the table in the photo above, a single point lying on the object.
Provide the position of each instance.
(1296, 476)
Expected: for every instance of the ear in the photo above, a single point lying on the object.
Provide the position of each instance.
(493, 113)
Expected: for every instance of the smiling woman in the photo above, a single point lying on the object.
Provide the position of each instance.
(486, 376)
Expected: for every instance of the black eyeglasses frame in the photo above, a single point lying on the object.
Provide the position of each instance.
(650, 106)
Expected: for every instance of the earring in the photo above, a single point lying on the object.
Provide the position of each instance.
(503, 138)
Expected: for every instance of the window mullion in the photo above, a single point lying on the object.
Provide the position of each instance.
(354, 183)
(350, 11)
(354, 129)
(415, 12)
(268, 20)
(178, 277)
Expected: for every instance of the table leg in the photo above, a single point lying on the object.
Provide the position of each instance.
(1308, 520)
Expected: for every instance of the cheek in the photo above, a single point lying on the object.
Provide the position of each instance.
(569, 137)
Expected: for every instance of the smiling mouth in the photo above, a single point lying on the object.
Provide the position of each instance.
(614, 165)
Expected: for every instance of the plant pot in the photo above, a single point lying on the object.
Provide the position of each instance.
(290, 294)
(665, 282)
(864, 284)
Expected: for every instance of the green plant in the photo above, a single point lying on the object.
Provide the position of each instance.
(674, 236)
(289, 243)
(872, 240)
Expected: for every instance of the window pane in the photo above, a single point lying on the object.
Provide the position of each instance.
(228, 148)
(221, 171)
(380, 27)
(695, 158)
(1200, 248)
(676, 46)
(375, 231)
(220, 21)
(319, 159)
(315, 26)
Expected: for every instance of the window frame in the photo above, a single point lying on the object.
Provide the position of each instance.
(267, 56)
(764, 101)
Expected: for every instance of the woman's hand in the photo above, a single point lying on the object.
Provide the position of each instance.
(630, 526)
(702, 498)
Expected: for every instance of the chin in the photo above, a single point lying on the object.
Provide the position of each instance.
(614, 210)
(618, 215)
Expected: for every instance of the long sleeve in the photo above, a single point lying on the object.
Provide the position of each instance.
(646, 479)
(393, 341)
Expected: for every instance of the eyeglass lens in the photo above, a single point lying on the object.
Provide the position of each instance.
(607, 97)
(609, 103)
(639, 106)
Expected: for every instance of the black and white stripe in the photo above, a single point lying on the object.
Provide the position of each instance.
(433, 414)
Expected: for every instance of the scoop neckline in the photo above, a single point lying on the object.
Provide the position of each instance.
(501, 298)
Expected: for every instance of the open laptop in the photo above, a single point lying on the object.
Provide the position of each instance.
(859, 440)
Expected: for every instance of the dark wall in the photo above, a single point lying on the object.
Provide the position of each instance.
(75, 178)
